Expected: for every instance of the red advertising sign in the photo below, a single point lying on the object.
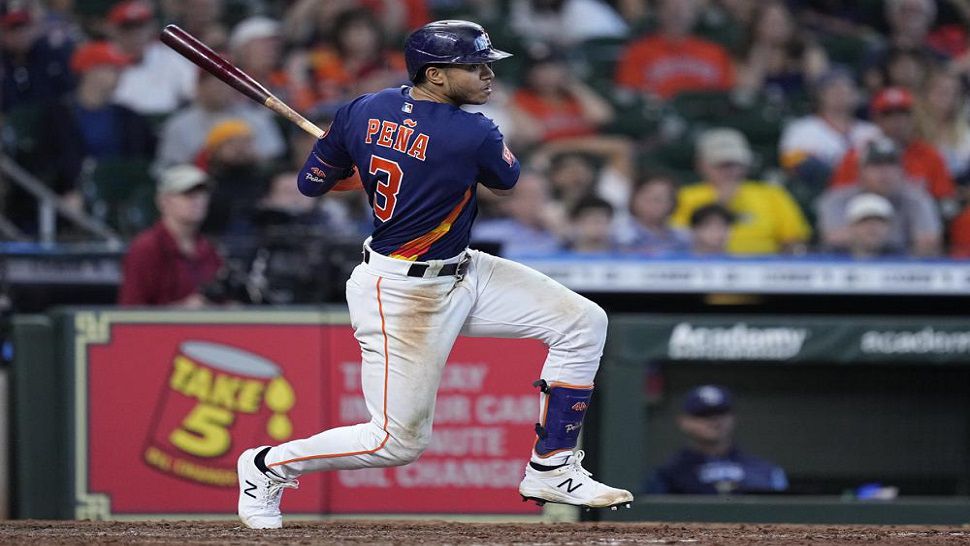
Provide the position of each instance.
(483, 432)
(165, 407)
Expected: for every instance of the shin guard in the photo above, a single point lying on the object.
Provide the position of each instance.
(563, 409)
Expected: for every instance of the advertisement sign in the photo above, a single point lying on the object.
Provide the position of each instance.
(165, 402)
(484, 423)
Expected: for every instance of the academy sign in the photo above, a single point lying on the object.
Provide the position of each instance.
(737, 342)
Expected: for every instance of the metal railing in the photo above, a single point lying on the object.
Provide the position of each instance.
(49, 206)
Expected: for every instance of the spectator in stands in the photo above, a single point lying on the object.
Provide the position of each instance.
(869, 218)
(907, 68)
(649, 232)
(910, 22)
(813, 146)
(915, 226)
(256, 47)
(33, 65)
(768, 220)
(358, 60)
(672, 60)
(943, 113)
(892, 110)
(528, 226)
(591, 223)
(712, 464)
(183, 135)
(710, 229)
(778, 59)
(87, 125)
(960, 235)
(159, 80)
(559, 104)
(200, 18)
(565, 23)
(597, 164)
(171, 263)
(239, 178)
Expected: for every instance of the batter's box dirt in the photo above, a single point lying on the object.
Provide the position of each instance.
(35, 532)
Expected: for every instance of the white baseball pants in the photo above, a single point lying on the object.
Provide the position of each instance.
(406, 327)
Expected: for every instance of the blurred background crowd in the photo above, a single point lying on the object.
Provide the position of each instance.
(645, 127)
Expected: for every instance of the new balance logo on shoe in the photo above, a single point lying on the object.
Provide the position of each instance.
(569, 485)
(249, 490)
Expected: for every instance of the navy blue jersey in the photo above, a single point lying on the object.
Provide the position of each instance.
(419, 162)
(692, 473)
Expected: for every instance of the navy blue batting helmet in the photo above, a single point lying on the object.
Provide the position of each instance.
(449, 42)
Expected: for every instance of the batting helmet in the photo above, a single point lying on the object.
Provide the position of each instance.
(449, 42)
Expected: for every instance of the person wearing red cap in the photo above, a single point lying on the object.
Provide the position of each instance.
(159, 80)
(892, 111)
(87, 126)
(33, 65)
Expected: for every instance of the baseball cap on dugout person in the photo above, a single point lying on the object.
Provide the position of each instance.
(708, 400)
(724, 146)
(182, 178)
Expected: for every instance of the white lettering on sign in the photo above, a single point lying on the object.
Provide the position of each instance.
(463, 377)
(353, 409)
(350, 371)
(365, 477)
(453, 408)
(491, 474)
(491, 409)
(738, 342)
(458, 442)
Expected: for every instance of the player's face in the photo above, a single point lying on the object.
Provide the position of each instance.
(468, 83)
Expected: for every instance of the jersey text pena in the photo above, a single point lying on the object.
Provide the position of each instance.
(402, 140)
(419, 162)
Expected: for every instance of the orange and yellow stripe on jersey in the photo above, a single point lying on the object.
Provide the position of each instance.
(418, 246)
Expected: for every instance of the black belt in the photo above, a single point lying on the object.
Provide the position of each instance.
(417, 270)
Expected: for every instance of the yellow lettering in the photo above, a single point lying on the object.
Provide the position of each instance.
(250, 396)
(224, 391)
(182, 370)
(199, 384)
(204, 431)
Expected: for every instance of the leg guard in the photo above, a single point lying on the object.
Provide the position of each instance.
(563, 409)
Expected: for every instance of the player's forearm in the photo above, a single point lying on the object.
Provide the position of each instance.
(317, 177)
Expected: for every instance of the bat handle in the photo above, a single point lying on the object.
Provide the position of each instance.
(284, 110)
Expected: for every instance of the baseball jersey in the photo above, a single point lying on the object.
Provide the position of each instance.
(693, 473)
(419, 162)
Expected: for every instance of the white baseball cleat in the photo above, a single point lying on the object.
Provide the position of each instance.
(571, 484)
(259, 494)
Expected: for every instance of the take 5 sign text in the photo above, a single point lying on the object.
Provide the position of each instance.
(166, 401)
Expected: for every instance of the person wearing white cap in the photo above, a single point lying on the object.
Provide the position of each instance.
(869, 217)
(914, 222)
(171, 262)
(767, 219)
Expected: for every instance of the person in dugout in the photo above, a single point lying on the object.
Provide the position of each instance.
(711, 463)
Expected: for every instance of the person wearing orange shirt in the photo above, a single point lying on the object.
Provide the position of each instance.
(892, 111)
(559, 105)
(673, 61)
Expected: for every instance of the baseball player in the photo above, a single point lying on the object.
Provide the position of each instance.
(421, 159)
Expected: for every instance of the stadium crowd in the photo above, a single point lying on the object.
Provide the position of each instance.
(648, 128)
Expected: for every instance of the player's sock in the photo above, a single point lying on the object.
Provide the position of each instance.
(261, 463)
(543, 467)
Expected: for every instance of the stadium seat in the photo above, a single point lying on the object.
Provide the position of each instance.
(121, 193)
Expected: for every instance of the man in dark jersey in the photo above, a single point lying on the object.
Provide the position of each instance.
(420, 159)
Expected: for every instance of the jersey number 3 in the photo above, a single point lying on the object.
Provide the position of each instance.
(386, 188)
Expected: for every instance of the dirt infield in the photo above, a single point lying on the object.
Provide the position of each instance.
(436, 532)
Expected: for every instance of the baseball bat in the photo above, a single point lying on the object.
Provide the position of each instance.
(194, 50)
